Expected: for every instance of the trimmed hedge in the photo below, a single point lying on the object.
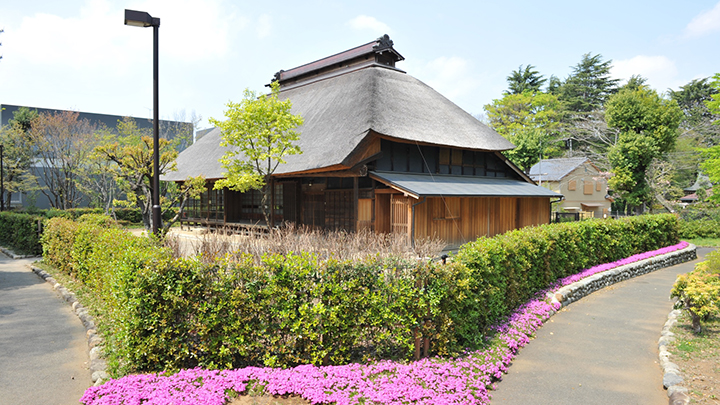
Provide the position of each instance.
(20, 232)
(130, 215)
(163, 313)
(701, 228)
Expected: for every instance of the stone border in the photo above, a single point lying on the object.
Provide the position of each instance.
(579, 289)
(672, 377)
(12, 254)
(98, 366)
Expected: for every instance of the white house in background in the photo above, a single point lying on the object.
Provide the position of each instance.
(580, 181)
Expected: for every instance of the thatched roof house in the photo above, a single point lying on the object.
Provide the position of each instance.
(378, 136)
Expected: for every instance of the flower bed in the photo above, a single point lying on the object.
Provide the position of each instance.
(463, 380)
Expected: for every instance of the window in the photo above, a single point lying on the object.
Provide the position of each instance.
(572, 184)
(588, 187)
(598, 186)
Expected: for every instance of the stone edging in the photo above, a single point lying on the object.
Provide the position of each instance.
(672, 377)
(98, 366)
(573, 292)
(12, 254)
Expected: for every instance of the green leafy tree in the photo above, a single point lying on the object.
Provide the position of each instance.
(714, 104)
(18, 156)
(262, 131)
(589, 85)
(648, 128)
(526, 79)
(23, 117)
(711, 166)
(132, 154)
(529, 120)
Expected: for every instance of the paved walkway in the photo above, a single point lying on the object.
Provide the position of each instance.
(601, 349)
(43, 351)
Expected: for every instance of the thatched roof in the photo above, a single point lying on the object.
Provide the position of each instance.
(340, 111)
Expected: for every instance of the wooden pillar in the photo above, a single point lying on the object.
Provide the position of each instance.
(356, 197)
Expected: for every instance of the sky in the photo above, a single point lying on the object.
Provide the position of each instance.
(78, 55)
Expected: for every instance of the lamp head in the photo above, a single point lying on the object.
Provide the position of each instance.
(140, 19)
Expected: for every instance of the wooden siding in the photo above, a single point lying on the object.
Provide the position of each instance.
(462, 219)
(365, 213)
(400, 215)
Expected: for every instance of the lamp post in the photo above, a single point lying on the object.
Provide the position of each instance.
(143, 19)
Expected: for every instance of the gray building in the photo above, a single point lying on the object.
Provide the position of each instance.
(168, 129)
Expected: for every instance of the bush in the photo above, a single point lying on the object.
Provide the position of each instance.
(19, 231)
(507, 270)
(162, 313)
(698, 292)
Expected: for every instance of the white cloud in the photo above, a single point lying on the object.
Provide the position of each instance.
(190, 30)
(704, 23)
(264, 26)
(450, 76)
(660, 71)
(363, 22)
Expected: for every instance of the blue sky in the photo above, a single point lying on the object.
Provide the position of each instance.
(77, 54)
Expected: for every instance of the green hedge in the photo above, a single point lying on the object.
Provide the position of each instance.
(130, 215)
(19, 232)
(507, 270)
(701, 228)
(160, 313)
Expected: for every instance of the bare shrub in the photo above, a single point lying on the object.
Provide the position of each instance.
(339, 245)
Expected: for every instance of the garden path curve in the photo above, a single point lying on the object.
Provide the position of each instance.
(602, 349)
(43, 349)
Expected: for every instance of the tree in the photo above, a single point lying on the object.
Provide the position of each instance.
(589, 85)
(98, 179)
(522, 80)
(262, 132)
(23, 117)
(648, 127)
(18, 156)
(529, 120)
(62, 143)
(714, 104)
(133, 155)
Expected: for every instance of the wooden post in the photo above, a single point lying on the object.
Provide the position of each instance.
(356, 196)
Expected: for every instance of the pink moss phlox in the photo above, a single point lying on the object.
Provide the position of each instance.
(438, 381)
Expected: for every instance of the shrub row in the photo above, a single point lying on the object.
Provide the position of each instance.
(20, 232)
(162, 313)
(700, 228)
(124, 214)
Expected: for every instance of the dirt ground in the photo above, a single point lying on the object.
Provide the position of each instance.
(698, 357)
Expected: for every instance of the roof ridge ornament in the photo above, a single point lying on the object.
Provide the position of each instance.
(383, 42)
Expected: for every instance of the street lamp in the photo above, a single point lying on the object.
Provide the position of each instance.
(143, 19)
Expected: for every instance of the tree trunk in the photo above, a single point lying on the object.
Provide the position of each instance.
(266, 209)
(697, 328)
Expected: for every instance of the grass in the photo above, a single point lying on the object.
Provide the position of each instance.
(705, 242)
(698, 356)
